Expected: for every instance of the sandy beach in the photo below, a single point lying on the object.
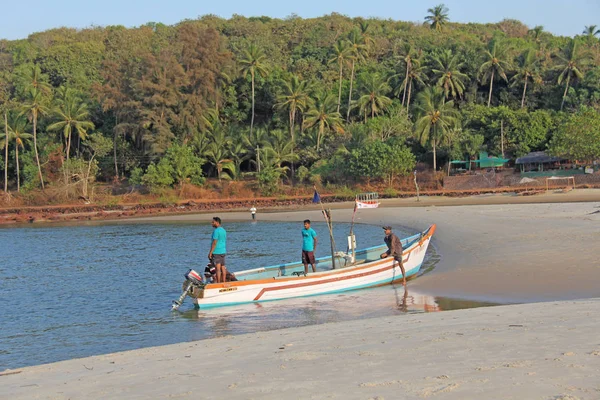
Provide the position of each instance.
(542, 254)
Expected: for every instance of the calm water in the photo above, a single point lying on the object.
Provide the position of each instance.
(76, 291)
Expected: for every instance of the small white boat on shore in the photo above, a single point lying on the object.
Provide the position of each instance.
(357, 270)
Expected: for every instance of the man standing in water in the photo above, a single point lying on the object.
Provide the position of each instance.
(218, 249)
(309, 245)
(253, 212)
(394, 249)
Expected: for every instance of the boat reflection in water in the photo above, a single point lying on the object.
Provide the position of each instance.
(361, 304)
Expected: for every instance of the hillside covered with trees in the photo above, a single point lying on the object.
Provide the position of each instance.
(329, 100)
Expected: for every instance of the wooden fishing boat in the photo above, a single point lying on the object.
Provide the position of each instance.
(356, 270)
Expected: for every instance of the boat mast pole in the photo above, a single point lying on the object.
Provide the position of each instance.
(327, 216)
(352, 246)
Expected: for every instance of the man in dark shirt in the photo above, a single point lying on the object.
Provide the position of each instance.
(394, 249)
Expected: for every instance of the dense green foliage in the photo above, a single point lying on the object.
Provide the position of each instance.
(579, 137)
(329, 99)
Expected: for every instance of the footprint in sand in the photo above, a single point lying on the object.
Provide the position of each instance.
(439, 390)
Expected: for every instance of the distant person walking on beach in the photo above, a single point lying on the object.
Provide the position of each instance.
(218, 249)
(394, 249)
(253, 212)
(309, 245)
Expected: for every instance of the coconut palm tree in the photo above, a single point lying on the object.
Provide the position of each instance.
(281, 149)
(536, 33)
(364, 31)
(16, 132)
(407, 56)
(217, 152)
(591, 31)
(253, 62)
(254, 142)
(569, 66)
(527, 70)
(72, 114)
(295, 97)
(34, 79)
(373, 99)
(454, 138)
(358, 52)
(322, 114)
(238, 153)
(341, 54)
(37, 89)
(435, 117)
(34, 107)
(446, 71)
(416, 74)
(438, 16)
(495, 64)
(472, 145)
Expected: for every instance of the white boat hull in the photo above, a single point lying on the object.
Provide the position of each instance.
(370, 272)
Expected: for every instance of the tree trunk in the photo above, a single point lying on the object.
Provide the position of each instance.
(565, 94)
(524, 91)
(320, 135)
(258, 159)
(434, 157)
(408, 99)
(17, 159)
(37, 157)
(350, 94)
(6, 152)
(491, 85)
(217, 89)
(416, 184)
(502, 136)
(115, 148)
(292, 120)
(68, 145)
(292, 112)
(252, 118)
(340, 89)
(405, 83)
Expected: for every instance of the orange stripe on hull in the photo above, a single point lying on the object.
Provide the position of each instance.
(320, 282)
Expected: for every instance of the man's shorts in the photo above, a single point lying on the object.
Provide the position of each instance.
(218, 259)
(308, 257)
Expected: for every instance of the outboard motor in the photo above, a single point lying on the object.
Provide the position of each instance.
(193, 286)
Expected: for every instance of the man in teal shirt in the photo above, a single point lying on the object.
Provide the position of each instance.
(218, 249)
(309, 245)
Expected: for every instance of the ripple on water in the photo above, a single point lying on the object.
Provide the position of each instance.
(85, 290)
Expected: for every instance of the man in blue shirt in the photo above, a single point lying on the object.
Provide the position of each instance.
(309, 245)
(218, 249)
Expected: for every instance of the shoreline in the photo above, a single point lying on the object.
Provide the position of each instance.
(516, 351)
(543, 254)
(18, 216)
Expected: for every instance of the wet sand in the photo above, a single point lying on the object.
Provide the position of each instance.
(495, 252)
(533, 351)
